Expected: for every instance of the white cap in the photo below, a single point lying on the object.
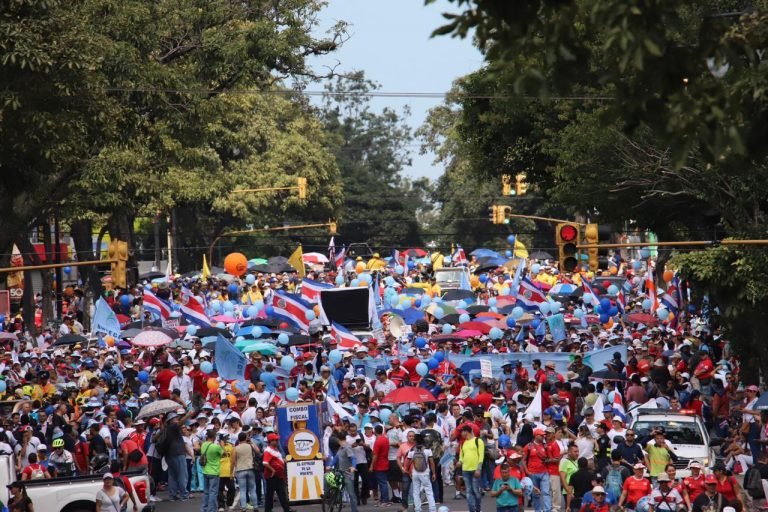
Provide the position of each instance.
(368, 425)
(151, 388)
(598, 489)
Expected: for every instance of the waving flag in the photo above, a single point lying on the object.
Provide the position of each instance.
(586, 286)
(332, 251)
(621, 302)
(192, 310)
(650, 290)
(155, 305)
(345, 339)
(105, 320)
(528, 296)
(670, 299)
(459, 258)
(515, 286)
(618, 405)
(338, 260)
(230, 362)
(291, 308)
(396, 256)
(310, 290)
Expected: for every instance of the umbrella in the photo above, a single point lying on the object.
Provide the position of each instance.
(148, 276)
(407, 395)
(130, 333)
(447, 337)
(607, 375)
(269, 322)
(8, 335)
(224, 318)
(204, 332)
(540, 255)
(248, 330)
(256, 261)
(458, 295)
(563, 289)
(152, 338)
(476, 326)
(505, 310)
(277, 259)
(642, 318)
(410, 315)
(489, 314)
(474, 309)
(496, 261)
(140, 324)
(225, 277)
(123, 319)
(314, 258)
(262, 347)
(70, 339)
(762, 402)
(273, 268)
(415, 252)
(505, 300)
(484, 253)
(453, 318)
(468, 333)
(485, 267)
(157, 408)
(447, 309)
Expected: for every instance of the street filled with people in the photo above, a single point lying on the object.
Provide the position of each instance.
(520, 383)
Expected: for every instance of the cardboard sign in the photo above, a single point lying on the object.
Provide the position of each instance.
(486, 369)
(305, 480)
(297, 412)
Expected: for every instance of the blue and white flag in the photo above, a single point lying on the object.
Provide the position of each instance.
(105, 320)
(230, 362)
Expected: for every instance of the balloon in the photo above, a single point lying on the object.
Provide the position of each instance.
(228, 306)
(292, 394)
(483, 278)
(508, 253)
(239, 339)
(517, 312)
(613, 290)
(536, 322)
(399, 269)
(492, 302)
(608, 324)
(604, 318)
(433, 363)
(216, 305)
(252, 311)
(555, 307)
(221, 325)
(647, 303)
(544, 308)
(206, 367)
(510, 321)
(636, 265)
(535, 268)
(212, 384)
(613, 311)
(235, 264)
(407, 304)
(310, 315)
(474, 281)
(605, 304)
(354, 282)
(668, 275)
(437, 299)
(578, 313)
(250, 279)
(504, 291)
(110, 341)
(613, 270)
(233, 289)
(283, 339)
(439, 355)
(287, 363)
(192, 330)
(360, 267)
(269, 310)
(422, 369)
(67, 270)
(439, 313)
(463, 318)
(504, 441)
(662, 313)
(588, 297)
(334, 356)
(143, 376)
(645, 253)
(257, 331)
(496, 333)
(421, 342)
(384, 415)
(447, 328)
(511, 239)
(232, 400)
(339, 279)
(125, 300)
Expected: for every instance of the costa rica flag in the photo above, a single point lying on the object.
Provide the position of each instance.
(291, 308)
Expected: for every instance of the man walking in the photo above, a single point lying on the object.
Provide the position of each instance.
(471, 459)
(210, 460)
(421, 466)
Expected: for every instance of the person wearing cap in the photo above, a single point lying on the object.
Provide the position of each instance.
(665, 498)
(535, 459)
(111, 498)
(693, 485)
(710, 499)
(750, 418)
(274, 474)
(18, 501)
(635, 487)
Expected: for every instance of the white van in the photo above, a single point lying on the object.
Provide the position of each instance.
(684, 431)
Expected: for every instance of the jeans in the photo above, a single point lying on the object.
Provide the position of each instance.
(349, 486)
(210, 493)
(405, 489)
(381, 480)
(421, 483)
(506, 509)
(437, 485)
(542, 502)
(473, 486)
(246, 480)
(177, 476)
(276, 485)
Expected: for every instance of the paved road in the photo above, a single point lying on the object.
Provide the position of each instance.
(453, 505)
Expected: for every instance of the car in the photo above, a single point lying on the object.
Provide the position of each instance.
(449, 278)
(685, 432)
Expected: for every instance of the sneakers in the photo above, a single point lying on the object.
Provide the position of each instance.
(154, 499)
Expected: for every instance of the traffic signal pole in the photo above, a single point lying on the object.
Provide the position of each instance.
(56, 265)
(683, 243)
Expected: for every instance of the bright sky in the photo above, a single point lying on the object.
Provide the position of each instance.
(390, 42)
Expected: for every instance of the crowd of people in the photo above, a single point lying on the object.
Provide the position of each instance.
(78, 405)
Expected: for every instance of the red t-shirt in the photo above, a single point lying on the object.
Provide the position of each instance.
(199, 382)
(705, 369)
(483, 400)
(381, 451)
(727, 488)
(163, 379)
(694, 486)
(128, 446)
(276, 462)
(399, 376)
(534, 455)
(553, 452)
(410, 366)
(636, 489)
(31, 469)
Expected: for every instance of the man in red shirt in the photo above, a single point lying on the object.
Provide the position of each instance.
(380, 463)
(553, 467)
(484, 398)
(410, 366)
(274, 473)
(535, 465)
(704, 370)
(163, 379)
(397, 374)
(693, 485)
(199, 380)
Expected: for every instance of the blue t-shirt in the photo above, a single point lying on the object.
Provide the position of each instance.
(270, 381)
(610, 498)
(632, 454)
(506, 498)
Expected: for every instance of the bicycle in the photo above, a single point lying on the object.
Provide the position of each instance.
(334, 499)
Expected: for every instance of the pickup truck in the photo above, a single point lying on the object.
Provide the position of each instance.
(449, 278)
(71, 494)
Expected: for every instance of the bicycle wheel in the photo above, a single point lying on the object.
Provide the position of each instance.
(331, 498)
(337, 500)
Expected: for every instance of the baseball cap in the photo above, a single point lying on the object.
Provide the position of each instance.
(108, 476)
(273, 437)
(598, 489)
(695, 464)
(663, 477)
(367, 425)
(639, 466)
(539, 432)
(710, 479)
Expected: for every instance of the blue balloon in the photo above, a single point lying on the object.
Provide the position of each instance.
(334, 356)
(394, 300)
(339, 279)
(493, 309)
(144, 376)
(256, 332)
(67, 270)
(613, 311)
(578, 313)
(433, 363)
(511, 322)
(417, 303)
(354, 283)
(440, 356)
(662, 313)
(555, 307)
(399, 269)
(437, 300)
(411, 264)
(292, 394)
(464, 318)
(228, 306)
(492, 302)
(252, 311)
(422, 369)
(421, 342)
(483, 278)
(206, 367)
(283, 339)
(645, 253)
(384, 415)
(508, 253)
(447, 328)
(125, 300)
(536, 322)
(544, 308)
(192, 330)
(310, 315)
(636, 265)
(407, 304)
(504, 441)
(221, 325)
(389, 281)
(233, 289)
(535, 268)
(604, 318)
(511, 239)
(439, 313)
(216, 305)
(517, 312)
(287, 363)
(605, 304)
(588, 297)
(647, 303)
(269, 310)
(613, 290)
(250, 279)
(239, 339)
(496, 333)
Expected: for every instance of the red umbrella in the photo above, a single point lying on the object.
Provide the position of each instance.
(415, 252)
(642, 318)
(407, 395)
(489, 314)
(123, 319)
(468, 333)
(476, 326)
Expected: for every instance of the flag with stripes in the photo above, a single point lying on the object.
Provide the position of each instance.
(310, 290)
(459, 257)
(192, 310)
(621, 302)
(292, 308)
(529, 296)
(155, 305)
(586, 286)
(650, 290)
(338, 260)
(344, 338)
(332, 250)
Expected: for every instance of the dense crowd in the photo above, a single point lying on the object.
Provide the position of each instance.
(78, 405)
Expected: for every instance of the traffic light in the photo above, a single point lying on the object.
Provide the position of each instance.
(499, 214)
(494, 215)
(506, 185)
(302, 184)
(591, 237)
(521, 186)
(332, 227)
(118, 250)
(567, 237)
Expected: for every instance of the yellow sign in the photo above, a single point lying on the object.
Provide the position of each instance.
(305, 480)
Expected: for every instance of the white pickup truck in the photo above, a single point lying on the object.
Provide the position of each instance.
(70, 494)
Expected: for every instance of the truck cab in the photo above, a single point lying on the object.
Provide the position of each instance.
(449, 278)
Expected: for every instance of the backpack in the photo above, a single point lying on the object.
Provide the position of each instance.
(614, 480)
(434, 442)
(753, 484)
(37, 473)
(420, 464)
(203, 458)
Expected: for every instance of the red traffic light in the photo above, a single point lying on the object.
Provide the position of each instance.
(568, 233)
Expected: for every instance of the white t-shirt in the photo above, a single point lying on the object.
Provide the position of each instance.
(262, 398)
(666, 502)
(427, 454)
(586, 446)
(385, 387)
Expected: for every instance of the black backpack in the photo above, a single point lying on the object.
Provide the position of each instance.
(753, 483)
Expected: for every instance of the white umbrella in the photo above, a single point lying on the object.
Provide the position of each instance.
(314, 257)
(151, 338)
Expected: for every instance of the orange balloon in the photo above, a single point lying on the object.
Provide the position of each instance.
(614, 270)
(110, 341)
(360, 267)
(474, 281)
(232, 400)
(608, 324)
(316, 309)
(668, 275)
(236, 264)
(213, 384)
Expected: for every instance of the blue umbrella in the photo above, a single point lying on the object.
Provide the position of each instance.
(484, 253)
(762, 402)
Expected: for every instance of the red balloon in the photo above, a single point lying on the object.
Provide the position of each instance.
(283, 325)
(606, 284)
(643, 366)
(596, 291)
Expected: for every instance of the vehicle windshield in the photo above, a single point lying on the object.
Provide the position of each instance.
(675, 432)
(448, 276)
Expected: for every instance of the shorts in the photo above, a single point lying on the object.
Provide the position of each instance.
(395, 474)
